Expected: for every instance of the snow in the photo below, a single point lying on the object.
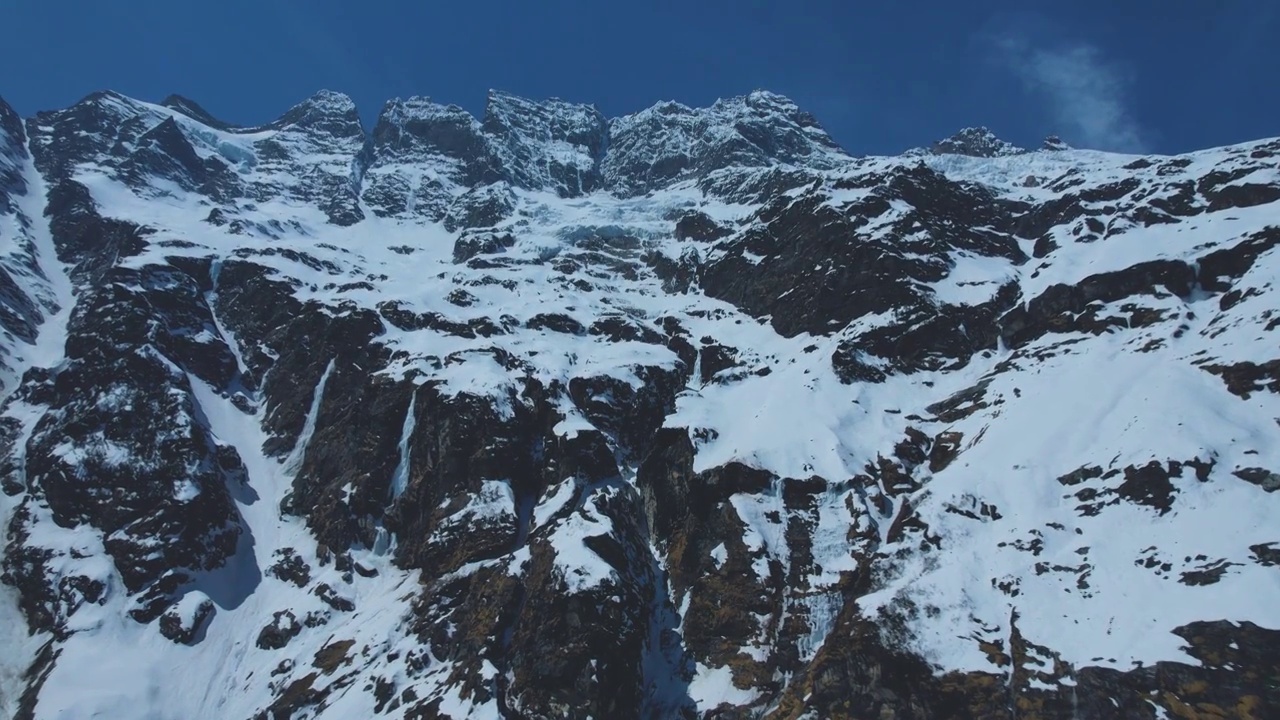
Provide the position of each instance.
(798, 421)
(763, 536)
(973, 279)
(553, 503)
(1138, 407)
(114, 666)
(1061, 407)
(719, 555)
(580, 567)
(52, 289)
(50, 286)
(21, 648)
(712, 686)
(185, 491)
(189, 608)
(493, 502)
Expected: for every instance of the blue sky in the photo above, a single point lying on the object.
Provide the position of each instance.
(1164, 76)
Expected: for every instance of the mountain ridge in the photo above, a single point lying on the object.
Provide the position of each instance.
(691, 415)
(193, 110)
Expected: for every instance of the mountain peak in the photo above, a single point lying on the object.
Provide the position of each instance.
(1055, 143)
(104, 104)
(391, 415)
(193, 110)
(416, 106)
(327, 111)
(419, 121)
(975, 142)
(667, 142)
(341, 102)
(503, 109)
(551, 144)
(762, 99)
(418, 131)
(766, 103)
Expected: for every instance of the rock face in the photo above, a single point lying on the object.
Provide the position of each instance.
(979, 142)
(670, 142)
(681, 414)
(27, 295)
(423, 155)
(553, 145)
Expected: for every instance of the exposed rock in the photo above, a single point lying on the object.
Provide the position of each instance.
(699, 226)
(705, 417)
(556, 322)
(1062, 308)
(1246, 378)
(290, 567)
(277, 634)
(330, 597)
(485, 241)
(552, 145)
(1261, 477)
(185, 622)
(481, 207)
(976, 142)
(670, 141)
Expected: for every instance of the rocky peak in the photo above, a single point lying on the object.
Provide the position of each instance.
(571, 149)
(418, 129)
(1054, 143)
(97, 112)
(193, 110)
(327, 112)
(403, 122)
(766, 104)
(108, 102)
(422, 155)
(669, 142)
(103, 125)
(783, 132)
(10, 125)
(975, 142)
(812, 448)
(169, 138)
(550, 145)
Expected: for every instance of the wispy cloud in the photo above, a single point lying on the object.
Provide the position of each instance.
(1086, 93)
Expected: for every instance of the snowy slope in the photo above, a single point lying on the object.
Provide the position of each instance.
(681, 414)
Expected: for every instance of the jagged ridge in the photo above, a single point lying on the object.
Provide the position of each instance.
(732, 423)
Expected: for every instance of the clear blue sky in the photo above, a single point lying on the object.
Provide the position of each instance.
(882, 76)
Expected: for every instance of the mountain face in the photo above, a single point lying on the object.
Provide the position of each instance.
(681, 414)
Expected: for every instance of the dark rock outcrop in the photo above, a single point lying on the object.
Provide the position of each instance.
(975, 142)
(526, 482)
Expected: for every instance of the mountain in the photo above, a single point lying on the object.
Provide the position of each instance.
(687, 413)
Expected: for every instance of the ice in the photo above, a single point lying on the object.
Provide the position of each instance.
(294, 461)
(400, 477)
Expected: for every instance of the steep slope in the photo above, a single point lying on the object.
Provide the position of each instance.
(681, 414)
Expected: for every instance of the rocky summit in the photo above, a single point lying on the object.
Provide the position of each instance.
(683, 414)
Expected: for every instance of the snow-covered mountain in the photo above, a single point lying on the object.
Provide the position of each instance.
(687, 413)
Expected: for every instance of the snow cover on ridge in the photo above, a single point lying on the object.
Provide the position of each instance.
(348, 230)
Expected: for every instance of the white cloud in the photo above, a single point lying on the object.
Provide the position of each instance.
(1086, 93)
